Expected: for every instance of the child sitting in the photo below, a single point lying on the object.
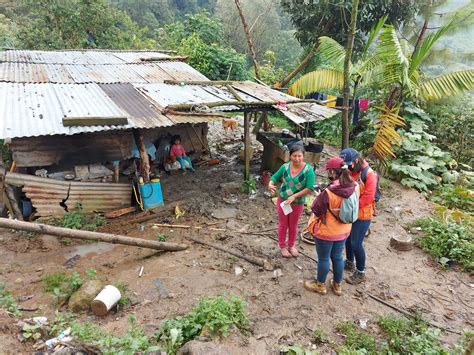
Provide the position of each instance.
(177, 152)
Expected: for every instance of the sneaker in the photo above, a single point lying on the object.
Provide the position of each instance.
(315, 286)
(336, 288)
(285, 253)
(356, 278)
(293, 251)
(349, 266)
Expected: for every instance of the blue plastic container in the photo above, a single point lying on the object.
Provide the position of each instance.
(151, 194)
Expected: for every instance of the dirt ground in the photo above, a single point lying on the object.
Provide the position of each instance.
(281, 310)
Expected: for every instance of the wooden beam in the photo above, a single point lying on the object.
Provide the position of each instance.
(234, 93)
(94, 121)
(245, 104)
(145, 162)
(247, 144)
(199, 82)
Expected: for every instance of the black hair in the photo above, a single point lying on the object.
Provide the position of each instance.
(297, 148)
(175, 137)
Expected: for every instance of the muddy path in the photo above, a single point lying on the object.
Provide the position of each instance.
(281, 310)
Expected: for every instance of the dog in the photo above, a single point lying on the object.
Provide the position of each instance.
(229, 124)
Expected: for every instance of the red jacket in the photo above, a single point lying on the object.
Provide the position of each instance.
(367, 192)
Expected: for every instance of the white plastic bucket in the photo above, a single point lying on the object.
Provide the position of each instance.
(105, 300)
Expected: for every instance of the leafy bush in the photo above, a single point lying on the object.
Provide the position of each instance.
(77, 219)
(328, 130)
(62, 286)
(7, 302)
(411, 336)
(454, 197)
(443, 237)
(214, 317)
(420, 163)
(453, 126)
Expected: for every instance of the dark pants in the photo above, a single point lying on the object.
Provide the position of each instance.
(354, 246)
(330, 250)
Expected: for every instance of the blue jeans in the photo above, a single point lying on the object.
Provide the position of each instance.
(354, 246)
(330, 250)
(181, 162)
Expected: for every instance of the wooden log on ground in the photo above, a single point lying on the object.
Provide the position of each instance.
(80, 234)
(256, 261)
(120, 212)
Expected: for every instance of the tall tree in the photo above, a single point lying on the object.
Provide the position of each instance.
(347, 62)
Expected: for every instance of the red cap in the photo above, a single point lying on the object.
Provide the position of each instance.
(333, 163)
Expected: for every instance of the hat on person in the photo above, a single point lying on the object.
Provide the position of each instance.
(349, 155)
(333, 163)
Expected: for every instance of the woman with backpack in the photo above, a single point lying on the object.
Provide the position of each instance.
(329, 230)
(367, 180)
(297, 180)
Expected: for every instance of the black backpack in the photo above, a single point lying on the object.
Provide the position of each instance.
(363, 177)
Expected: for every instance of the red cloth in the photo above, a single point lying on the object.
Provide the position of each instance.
(367, 196)
(364, 104)
(177, 150)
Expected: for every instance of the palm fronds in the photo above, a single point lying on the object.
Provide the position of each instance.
(374, 31)
(387, 136)
(447, 85)
(331, 52)
(322, 79)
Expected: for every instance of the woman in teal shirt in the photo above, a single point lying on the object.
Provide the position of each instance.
(297, 180)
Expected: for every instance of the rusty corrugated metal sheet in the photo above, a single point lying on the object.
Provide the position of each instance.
(47, 194)
(78, 56)
(143, 113)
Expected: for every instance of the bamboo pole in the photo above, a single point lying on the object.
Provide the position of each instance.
(80, 234)
(199, 82)
(236, 103)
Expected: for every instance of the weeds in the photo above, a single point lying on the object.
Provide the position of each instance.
(296, 349)
(454, 197)
(77, 219)
(445, 238)
(214, 317)
(7, 302)
(161, 237)
(355, 339)
(125, 299)
(319, 337)
(62, 286)
(249, 185)
(278, 120)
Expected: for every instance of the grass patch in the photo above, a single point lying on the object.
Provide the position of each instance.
(77, 219)
(446, 238)
(62, 286)
(7, 302)
(279, 120)
(355, 339)
(214, 317)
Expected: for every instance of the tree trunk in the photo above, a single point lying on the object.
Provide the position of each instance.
(347, 62)
(249, 38)
(80, 234)
(144, 161)
(299, 68)
(247, 144)
(421, 35)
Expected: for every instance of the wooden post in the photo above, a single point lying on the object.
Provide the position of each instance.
(144, 161)
(247, 144)
(117, 172)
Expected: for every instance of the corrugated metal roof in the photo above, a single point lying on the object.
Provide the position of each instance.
(78, 56)
(38, 109)
(142, 112)
(155, 72)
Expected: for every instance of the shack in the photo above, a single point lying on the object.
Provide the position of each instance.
(64, 115)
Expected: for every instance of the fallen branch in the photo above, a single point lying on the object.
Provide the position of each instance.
(120, 212)
(80, 234)
(185, 107)
(256, 261)
(410, 315)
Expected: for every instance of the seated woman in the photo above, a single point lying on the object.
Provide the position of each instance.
(177, 152)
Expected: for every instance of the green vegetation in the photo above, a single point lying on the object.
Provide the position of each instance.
(279, 121)
(319, 337)
(249, 185)
(296, 349)
(77, 219)
(446, 238)
(62, 286)
(355, 339)
(124, 290)
(214, 317)
(161, 237)
(7, 302)
(454, 197)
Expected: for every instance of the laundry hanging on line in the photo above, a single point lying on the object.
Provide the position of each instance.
(355, 111)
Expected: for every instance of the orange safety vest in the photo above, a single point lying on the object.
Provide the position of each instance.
(332, 227)
(366, 213)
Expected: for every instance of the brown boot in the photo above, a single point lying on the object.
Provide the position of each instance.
(336, 288)
(315, 286)
(356, 278)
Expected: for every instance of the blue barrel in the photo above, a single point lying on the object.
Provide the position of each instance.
(151, 194)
